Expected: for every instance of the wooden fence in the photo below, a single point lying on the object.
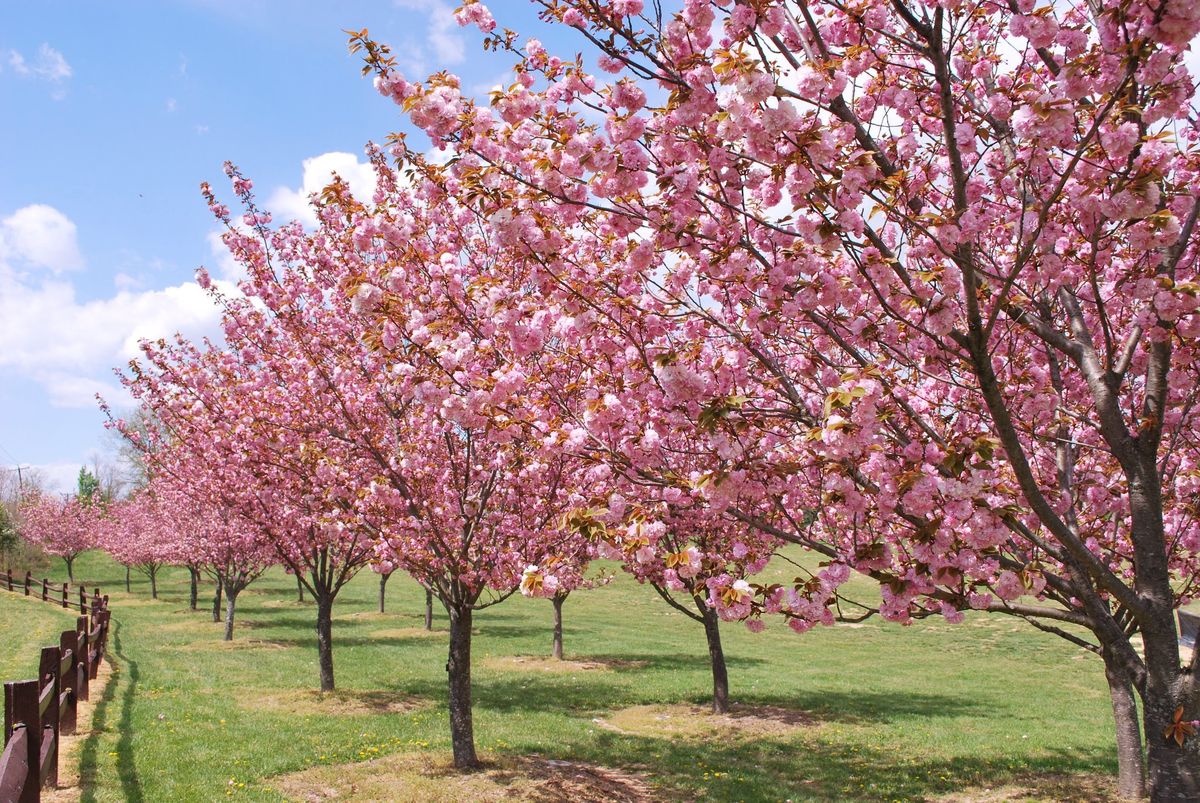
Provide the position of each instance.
(37, 712)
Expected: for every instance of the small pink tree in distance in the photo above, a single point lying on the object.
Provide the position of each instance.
(206, 536)
(136, 533)
(557, 577)
(63, 527)
(948, 253)
(237, 426)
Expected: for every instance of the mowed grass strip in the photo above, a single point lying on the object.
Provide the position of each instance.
(874, 712)
(26, 625)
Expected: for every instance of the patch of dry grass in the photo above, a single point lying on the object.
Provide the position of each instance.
(684, 721)
(342, 702)
(217, 644)
(1074, 788)
(538, 663)
(414, 777)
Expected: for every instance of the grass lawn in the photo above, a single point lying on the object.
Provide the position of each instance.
(872, 712)
(27, 625)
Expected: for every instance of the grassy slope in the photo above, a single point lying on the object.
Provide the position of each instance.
(27, 625)
(904, 712)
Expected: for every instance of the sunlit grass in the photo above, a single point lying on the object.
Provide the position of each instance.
(896, 713)
(27, 625)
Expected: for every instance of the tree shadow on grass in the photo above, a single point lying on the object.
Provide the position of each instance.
(358, 633)
(674, 662)
(595, 694)
(127, 682)
(767, 770)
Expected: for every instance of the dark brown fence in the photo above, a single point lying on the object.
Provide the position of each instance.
(37, 712)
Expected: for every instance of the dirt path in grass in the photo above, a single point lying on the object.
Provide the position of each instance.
(69, 790)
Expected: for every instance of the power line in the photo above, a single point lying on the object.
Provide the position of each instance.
(11, 456)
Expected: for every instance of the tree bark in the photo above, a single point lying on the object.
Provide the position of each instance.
(70, 561)
(194, 589)
(153, 582)
(127, 588)
(1131, 771)
(325, 640)
(299, 589)
(217, 602)
(558, 600)
(458, 668)
(428, 609)
(716, 655)
(383, 578)
(1171, 770)
(230, 603)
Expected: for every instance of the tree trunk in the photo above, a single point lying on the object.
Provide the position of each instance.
(230, 603)
(458, 667)
(428, 609)
(1171, 770)
(217, 602)
(194, 590)
(1131, 773)
(127, 588)
(558, 600)
(153, 582)
(325, 640)
(383, 578)
(299, 589)
(70, 561)
(716, 655)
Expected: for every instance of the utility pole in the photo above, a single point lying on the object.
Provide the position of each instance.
(20, 475)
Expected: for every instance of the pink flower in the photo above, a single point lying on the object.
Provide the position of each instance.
(1009, 586)
(366, 298)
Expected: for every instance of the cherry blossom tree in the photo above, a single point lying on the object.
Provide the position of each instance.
(946, 252)
(241, 429)
(559, 576)
(135, 532)
(417, 384)
(60, 527)
(211, 538)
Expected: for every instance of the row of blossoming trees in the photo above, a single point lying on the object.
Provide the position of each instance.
(909, 284)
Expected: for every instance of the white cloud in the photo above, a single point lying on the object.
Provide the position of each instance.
(57, 477)
(288, 204)
(227, 268)
(172, 105)
(67, 345)
(441, 34)
(124, 281)
(48, 65)
(448, 45)
(39, 236)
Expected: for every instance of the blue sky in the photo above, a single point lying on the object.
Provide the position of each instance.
(113, 113)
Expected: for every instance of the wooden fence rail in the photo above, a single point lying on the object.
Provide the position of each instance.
(37, 712)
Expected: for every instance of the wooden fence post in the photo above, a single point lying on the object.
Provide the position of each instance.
(68, 679)
(64, 599)
(45, 590)
(84, 645)
(8, 576)
(28, 580)
(49, 711)
(21, 712)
